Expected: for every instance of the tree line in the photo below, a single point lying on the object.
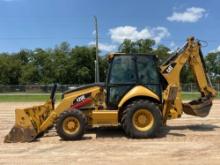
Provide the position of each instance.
(66, 65)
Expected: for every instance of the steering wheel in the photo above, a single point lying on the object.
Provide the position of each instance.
(52, 94)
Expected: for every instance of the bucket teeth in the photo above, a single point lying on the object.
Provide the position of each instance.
(18, 134)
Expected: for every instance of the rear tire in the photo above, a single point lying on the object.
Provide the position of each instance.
(71, 125)
(141, 119)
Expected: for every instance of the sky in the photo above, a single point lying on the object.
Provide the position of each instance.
(30, 24)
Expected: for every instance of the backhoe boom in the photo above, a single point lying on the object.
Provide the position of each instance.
(171, 69)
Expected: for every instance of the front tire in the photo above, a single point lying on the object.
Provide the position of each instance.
(71, 125)
(141, 119)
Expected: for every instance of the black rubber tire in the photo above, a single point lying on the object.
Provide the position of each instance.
(128, 113)
(80, 116)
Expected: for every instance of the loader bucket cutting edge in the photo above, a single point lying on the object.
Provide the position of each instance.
(28, 122)
(18, 134)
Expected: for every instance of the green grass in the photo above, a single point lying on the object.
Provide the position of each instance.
(41, 97)
(190, 95)
(26, 97)
(193, 95)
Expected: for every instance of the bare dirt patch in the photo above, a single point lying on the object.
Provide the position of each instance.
(189, 140)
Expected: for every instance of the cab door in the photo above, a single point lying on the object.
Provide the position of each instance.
(148, 73)
(121, 78)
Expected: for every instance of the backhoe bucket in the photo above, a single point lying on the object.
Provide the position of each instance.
(28, 122)
(200, 107)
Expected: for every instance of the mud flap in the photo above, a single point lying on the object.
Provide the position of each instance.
(200, 107)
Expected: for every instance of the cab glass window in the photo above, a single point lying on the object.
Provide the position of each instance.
(148, 73)
(147, 70)
(123, 70)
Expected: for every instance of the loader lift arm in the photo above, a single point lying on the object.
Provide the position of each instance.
(171, 69)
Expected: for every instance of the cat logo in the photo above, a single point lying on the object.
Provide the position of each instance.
(80, 98)
(169, 68)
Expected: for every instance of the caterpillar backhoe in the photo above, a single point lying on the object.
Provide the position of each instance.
(138, 95)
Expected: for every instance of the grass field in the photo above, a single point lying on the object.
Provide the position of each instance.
(26, 97)
(32, 97)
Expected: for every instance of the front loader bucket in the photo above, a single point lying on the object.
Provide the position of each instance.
(200, 107)
(19, 134)
(28, 122)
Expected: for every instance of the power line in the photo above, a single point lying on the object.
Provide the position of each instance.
(210, 41)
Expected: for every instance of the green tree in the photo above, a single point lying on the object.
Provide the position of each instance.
(10, 69)
(186, 75)
(127, 47)
(82, 64)
(67, 65)
(60, 61)
(213, 66)
(29, 75)
(144, 46)
(103, 67)
(162, 52)
(23, 56)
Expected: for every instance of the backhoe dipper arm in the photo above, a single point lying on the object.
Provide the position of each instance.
(171, 69)
(197, 64)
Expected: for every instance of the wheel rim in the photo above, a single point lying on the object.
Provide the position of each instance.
(71, 125)
(142, 120)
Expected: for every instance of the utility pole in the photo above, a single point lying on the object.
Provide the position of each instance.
(95, 71)
(97, 52)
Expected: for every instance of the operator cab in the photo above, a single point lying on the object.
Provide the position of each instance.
(129, 70)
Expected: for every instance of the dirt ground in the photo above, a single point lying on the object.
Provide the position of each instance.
(189, 140)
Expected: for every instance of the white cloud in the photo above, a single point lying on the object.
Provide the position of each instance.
(104, 47)
(218, 49)
(191, 15)
(173, 47)
(215, 50)
(159, 33)
(119, 34)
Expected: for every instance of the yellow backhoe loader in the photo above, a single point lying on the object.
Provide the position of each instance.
(138, 95)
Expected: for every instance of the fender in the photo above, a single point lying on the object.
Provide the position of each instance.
(138, 91)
